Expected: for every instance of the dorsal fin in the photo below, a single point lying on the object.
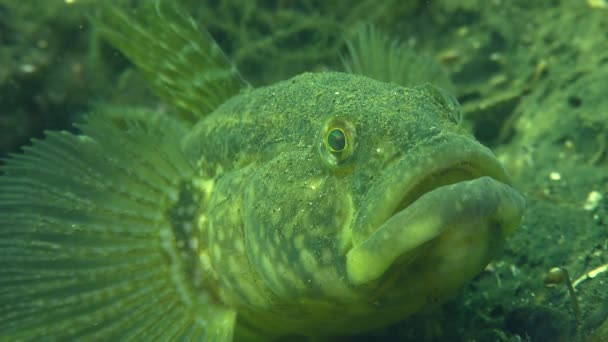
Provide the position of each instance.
(375, 54)
(182, 62)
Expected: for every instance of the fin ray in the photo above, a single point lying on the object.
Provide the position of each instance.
(376, 55)
(87, 246)
(183, 63)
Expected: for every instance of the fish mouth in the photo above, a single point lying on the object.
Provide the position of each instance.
(451, 183)
(450, 174)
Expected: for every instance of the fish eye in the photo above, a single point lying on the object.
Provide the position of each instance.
(338, 142)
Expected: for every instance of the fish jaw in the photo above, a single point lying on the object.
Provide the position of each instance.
(459, 195)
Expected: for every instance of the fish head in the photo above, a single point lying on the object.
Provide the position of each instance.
(370, 192)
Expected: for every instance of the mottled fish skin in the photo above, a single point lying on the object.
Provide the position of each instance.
(282, 216)
(326, 205)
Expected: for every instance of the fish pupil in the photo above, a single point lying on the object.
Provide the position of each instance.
(336, 140)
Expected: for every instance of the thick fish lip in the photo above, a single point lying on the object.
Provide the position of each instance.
(459, 176)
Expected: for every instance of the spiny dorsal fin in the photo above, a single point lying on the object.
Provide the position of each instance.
(182, 62)
(374, 54)
(88, 246)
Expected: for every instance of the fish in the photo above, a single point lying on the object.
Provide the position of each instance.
(326, 205)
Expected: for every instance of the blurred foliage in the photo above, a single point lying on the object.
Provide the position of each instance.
(270, 40)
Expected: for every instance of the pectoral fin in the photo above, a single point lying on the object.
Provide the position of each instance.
(87, 245)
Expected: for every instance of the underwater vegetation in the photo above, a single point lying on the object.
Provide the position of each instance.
(529, 76)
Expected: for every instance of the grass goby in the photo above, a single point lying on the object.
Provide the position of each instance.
(324, 205)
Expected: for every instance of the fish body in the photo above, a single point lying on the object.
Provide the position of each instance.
(325, 205)
(296, 212)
